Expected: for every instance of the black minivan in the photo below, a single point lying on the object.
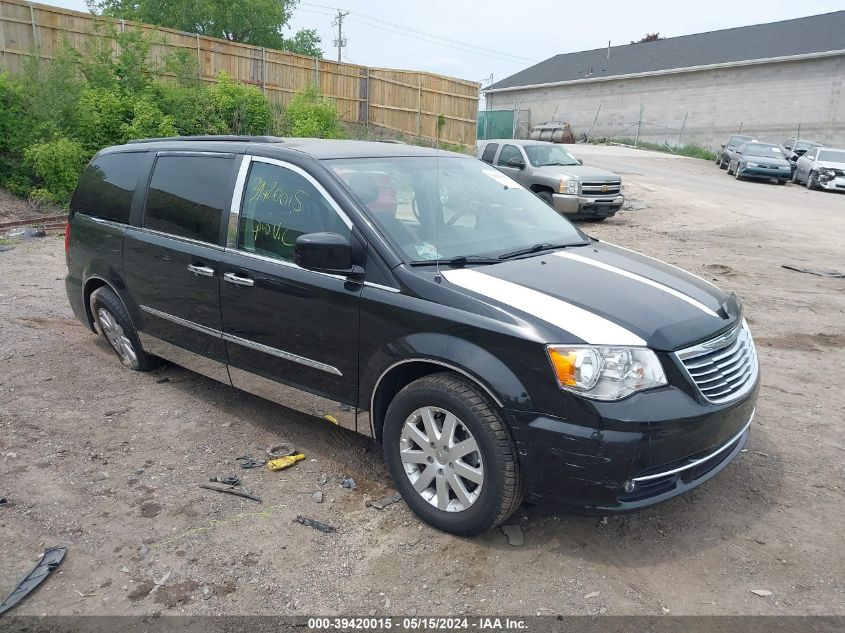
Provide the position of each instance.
(424, 299)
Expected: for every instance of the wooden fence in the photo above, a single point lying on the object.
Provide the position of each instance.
(399, 101)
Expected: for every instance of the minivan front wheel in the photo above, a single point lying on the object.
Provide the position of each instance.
(451, 455)
(113, 322)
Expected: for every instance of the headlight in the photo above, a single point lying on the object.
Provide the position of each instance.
(568, 185)
(750, 164)
(605, 373)
(828, 172)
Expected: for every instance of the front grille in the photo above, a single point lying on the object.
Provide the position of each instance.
(723, 368)
(597, 188)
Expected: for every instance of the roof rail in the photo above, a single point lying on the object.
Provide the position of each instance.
(213, 137)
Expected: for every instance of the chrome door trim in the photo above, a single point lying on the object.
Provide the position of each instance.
(371, 284)
(281, 354)
(235, 208)
(405, 361)
(111, 223)
(297, 399)
(700, 460)
(179, 238)
(185, 322)
(185, 358)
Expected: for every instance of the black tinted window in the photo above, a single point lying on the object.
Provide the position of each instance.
(489, 152)
(509, 153)
(187, 195)
(279, 206)
(108, 184)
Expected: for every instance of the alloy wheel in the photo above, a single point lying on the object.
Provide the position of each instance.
(116, 337)
(441, 459)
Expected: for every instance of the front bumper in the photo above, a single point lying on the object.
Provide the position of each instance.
(832, 184)
(784, 173)
(579, 207)
(638, 452)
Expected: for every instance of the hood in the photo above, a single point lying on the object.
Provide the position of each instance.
(829, 164)
(767, 160)
(584, 174)
(603, 294)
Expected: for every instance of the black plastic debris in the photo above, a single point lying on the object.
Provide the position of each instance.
(381, 504)
(50, 559)
(317, 525)
(247, 462)
(819, 272)
(231, 480)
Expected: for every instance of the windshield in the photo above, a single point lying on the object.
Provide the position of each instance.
(737, 140)
(805, 145)
(832, 155)
(758, 149)
(442, 208)
(540, 155)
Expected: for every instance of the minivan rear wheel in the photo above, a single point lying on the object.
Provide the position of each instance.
(112, 321)
(451, 456)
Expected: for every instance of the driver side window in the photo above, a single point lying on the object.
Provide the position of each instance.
(509, 153)
(279, 205)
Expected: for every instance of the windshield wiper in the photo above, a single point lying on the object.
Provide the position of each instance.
(537, 248)
(457, 261)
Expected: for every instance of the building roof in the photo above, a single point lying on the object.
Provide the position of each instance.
(802, 36)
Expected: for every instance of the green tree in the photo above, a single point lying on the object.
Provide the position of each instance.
(256, 22)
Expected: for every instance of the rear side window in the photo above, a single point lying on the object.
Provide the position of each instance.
(187, 195)
(108, 184)
(489, 152)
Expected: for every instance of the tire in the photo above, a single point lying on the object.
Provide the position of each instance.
(794, 177)
(113, 322)
(811, 180)
(730, 173)
(781, 182)
(736, 173)
(546, 196)
(451, 502)
(722, 163)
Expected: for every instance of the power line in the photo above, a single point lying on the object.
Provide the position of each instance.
(425, 36)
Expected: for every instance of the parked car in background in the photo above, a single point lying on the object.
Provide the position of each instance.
(760, 160)
(821, 167)
(725, 153)
(556, 176)
(426, 300)
(796, 149)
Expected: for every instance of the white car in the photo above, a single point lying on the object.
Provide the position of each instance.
(821, 167)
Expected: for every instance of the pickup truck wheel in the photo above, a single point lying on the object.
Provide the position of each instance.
(546, 196)
(451, 455)
(113, 322)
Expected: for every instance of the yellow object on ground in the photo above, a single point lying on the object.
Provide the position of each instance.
(284, 462)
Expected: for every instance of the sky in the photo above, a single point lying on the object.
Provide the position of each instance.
(476, 39)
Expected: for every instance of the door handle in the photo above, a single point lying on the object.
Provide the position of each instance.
(199, 269)
(233, 278)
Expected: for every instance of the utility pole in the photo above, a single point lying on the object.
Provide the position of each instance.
(338, 21)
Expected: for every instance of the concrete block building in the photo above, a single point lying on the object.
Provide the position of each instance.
(771, 80)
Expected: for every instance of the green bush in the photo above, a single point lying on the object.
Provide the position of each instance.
(58, 165)
(311, 115)
(242, 109)
(58, 114)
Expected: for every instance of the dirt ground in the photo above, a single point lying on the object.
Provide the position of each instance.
(107, 461)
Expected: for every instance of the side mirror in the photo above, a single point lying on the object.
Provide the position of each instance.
(580, 162)
(516, 162)
(325, 253)
(722, 146)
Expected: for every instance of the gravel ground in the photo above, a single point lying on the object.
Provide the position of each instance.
(108, 461)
